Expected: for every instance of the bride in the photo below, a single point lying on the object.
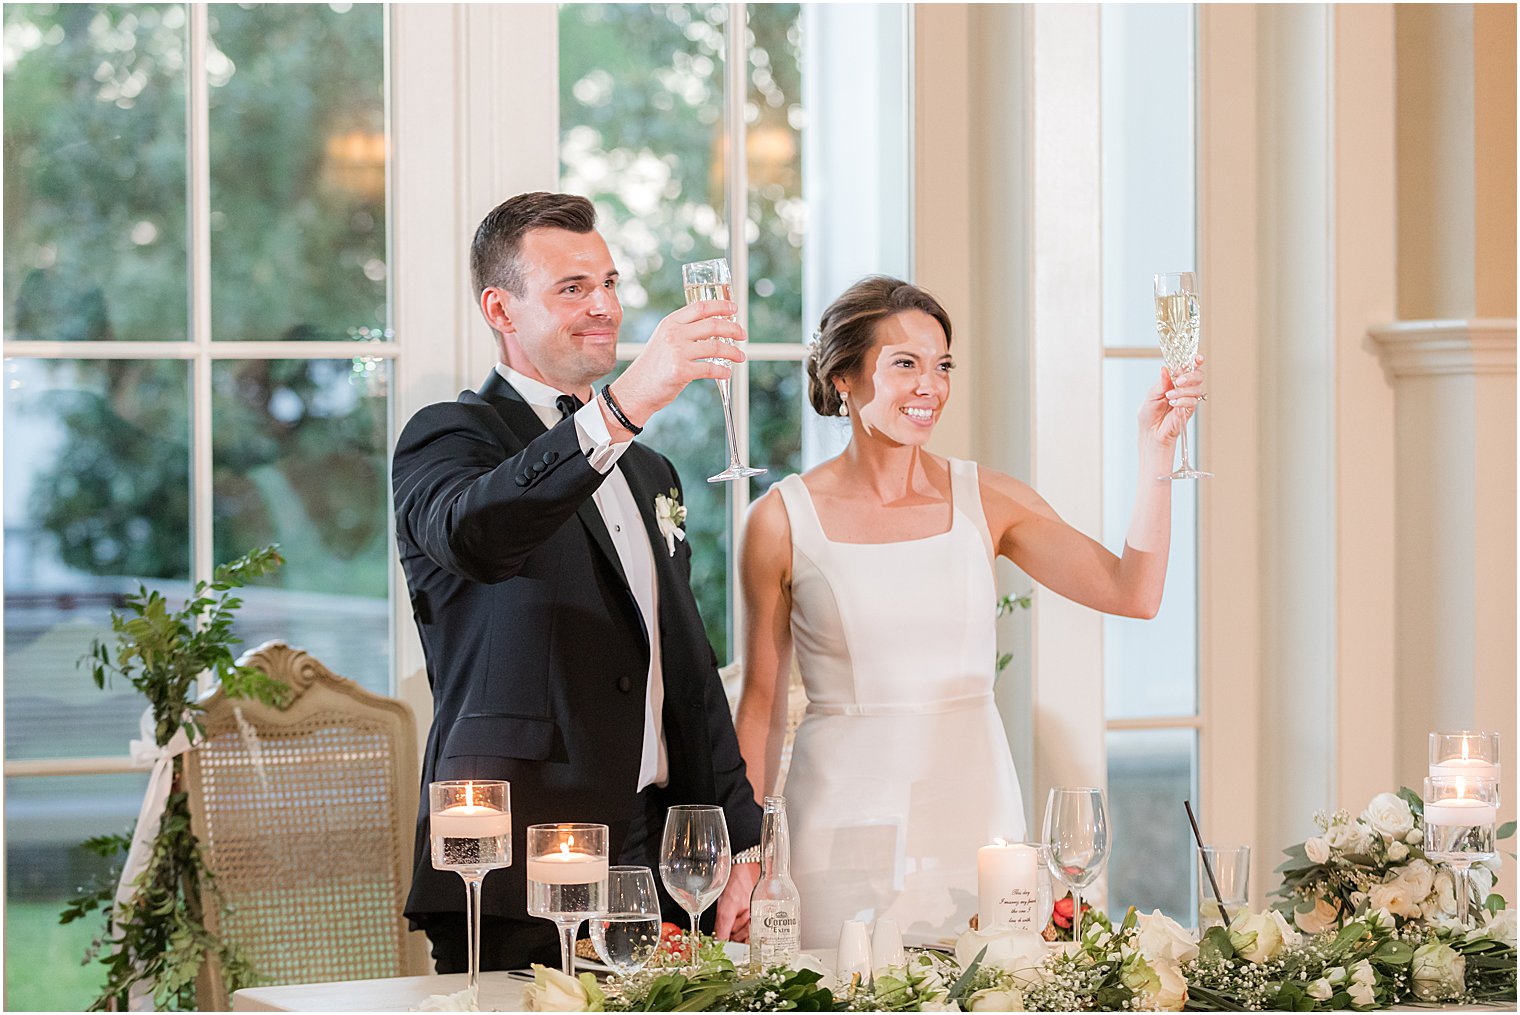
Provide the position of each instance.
(875, 568)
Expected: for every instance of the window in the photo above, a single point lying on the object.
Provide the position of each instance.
(1150, 667)
(654, 98)
(197, 359)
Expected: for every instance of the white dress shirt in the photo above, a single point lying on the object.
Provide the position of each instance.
(614, 500)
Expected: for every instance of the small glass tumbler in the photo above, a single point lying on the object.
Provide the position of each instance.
(1231, 870)
(1464, 753)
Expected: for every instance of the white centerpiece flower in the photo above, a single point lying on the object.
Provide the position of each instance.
(1321, 918)
(1394, 897)
(1438, 972)
(1017, 951)
(1259, 937)
(1158, 936)
(552, 990)
(1316, 849)
(995, 1000)
(1388, 814)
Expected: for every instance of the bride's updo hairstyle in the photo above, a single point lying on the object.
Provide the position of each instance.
(847, 332)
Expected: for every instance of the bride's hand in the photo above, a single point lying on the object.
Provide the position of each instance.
(1170, 404)
(732, 923)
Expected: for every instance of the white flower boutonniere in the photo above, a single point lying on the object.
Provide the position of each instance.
(670, 513)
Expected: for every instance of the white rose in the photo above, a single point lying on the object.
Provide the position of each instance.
(1499, 926)
(1336, 974)
(995, 1000)
(1362, 995)
(1158, 986)
(1419, 877)
(1173, 993)
(1017, 951)
(1317, 850)
(1322, 917)
(1394, 897)
(1415, 837)
(1321, 990)
(1348, 838)
(1438, 972)
(1161, 937)
(552, 990)
(1362, 973)
(1389, 815)
(1446, 892)
(1397, 851)
(1259, 937)
(460, 1000)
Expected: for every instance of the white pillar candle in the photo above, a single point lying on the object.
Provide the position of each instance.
(1005, 877)
(1460, 811)
(567, 867)
(470, 821)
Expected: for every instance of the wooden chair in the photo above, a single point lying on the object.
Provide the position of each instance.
(307, 816)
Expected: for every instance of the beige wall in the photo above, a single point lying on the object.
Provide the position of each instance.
(1494, 171)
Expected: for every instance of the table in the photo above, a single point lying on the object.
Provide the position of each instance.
(499, 991)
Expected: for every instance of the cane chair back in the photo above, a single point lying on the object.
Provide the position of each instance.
(732, 676)
(306, 816)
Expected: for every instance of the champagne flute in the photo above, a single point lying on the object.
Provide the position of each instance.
(627, 935)
(1076, 842)
(710, 280)
(470, 825)
(1177, 327)
(695, 860)
(567, 879)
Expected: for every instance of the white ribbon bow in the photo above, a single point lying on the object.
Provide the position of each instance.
(146, 753)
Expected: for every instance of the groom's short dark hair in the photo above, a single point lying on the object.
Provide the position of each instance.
(498, 238)
(847, 332)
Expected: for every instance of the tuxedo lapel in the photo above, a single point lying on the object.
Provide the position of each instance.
(522, 420)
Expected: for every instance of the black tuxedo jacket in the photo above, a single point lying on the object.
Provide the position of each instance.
(536, 651)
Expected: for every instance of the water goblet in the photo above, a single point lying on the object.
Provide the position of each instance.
(1231, 870)
(470, 826)
(695, 860)
(1177, 329)
(711, 280)
(567, 879)
(1459, 828)
(1076, 842)
(628, 933)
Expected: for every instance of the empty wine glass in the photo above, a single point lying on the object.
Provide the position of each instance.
(695, 860)
(627, 935)
(1177, 329)
(470, 827)
(711, 280)
(1076, 842)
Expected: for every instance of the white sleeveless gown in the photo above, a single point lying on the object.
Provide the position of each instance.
(900, 769)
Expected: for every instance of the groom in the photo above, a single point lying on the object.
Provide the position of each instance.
(563, 644)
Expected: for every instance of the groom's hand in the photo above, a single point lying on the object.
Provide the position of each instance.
(733, 905)
(677, 354)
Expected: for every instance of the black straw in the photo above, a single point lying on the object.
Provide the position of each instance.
(1203, 858)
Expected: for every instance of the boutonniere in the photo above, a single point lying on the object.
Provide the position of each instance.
(670, 513)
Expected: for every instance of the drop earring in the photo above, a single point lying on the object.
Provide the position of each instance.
(844, 408)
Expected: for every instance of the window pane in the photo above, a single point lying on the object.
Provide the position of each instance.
(1150, 667)
(97, 467)
(95, 172)
(1149, 219)
(46, 818)
(641, 134)
(300, 459)
(777, 215)
(1150, 774)
(777, 405)
(298, 169)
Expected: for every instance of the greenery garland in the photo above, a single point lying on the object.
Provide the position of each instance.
(159, 937)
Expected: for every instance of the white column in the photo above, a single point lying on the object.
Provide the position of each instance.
(1454, 385)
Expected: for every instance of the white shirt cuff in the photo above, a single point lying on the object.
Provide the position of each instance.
(596, 439)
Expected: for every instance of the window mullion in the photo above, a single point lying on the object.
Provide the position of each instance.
(199, 191)
(736, 90)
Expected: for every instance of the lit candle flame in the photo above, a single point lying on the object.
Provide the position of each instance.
(469, 794)
(1464, 748)
(564, 847)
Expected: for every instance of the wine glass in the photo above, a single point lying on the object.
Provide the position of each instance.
(695, 860)
(1177, 327)
(710, 280)
(567, 879)
(628, 933)
(470, 825)
(1076, 842)
(1459, 816)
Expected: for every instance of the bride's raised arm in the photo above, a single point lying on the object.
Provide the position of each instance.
(1028, 531)
(765, 565)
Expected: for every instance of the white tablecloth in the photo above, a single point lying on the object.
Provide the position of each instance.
(499, 991)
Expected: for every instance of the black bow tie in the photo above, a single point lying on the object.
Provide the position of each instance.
(568, 405)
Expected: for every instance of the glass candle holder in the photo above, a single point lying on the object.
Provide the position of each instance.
(567, 879)
(470, 827)
(1460, 814)
(1464, 753)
